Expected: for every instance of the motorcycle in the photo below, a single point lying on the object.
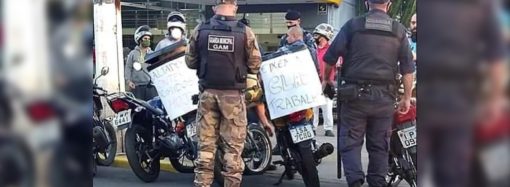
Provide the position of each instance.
(403, 150)
(256, 153)
(298, 149)
(152, 136)
(104, 139)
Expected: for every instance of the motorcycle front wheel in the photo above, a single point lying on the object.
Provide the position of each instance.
(138, 145)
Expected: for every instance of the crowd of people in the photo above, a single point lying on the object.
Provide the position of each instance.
(369, 51)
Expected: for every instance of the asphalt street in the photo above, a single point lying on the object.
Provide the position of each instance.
(124, 177)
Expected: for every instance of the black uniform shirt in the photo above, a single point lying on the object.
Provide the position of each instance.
(340, 46)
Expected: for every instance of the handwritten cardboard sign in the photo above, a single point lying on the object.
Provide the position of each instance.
(176, 84)
(291, 84)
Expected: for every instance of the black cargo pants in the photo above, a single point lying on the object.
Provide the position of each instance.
(371, 113)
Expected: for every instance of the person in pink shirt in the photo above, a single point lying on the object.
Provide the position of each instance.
(322, 34)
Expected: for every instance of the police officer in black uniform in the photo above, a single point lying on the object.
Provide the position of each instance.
(375, 49)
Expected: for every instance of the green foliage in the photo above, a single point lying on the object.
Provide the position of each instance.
(401, 10)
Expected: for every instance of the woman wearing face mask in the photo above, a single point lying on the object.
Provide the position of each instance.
(176, 28)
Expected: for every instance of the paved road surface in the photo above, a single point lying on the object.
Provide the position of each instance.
(122, 177)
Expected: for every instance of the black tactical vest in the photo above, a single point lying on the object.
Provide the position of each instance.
(222, 54)
(373, 49)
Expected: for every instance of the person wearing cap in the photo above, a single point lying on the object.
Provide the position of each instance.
(293, 19)
(375, 48)
(323, 33)
(176, 27)
(223, 51)
(135, 71)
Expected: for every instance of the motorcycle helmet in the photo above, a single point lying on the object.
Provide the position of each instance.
(176, 19)
(142, 31)
(325, 30)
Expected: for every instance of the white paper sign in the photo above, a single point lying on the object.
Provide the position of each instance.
(291, 84)
(176, 84)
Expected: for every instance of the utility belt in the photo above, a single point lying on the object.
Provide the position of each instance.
(352, 89)
(368, 82)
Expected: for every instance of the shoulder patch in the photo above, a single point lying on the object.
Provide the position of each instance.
(379, 24)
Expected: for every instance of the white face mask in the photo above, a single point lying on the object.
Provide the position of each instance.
(176, 34)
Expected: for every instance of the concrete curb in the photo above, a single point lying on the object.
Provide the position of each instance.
(122, 162)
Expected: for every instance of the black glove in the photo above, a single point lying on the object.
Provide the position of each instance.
(329, 91)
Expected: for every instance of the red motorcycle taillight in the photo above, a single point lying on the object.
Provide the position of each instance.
(119, 105)
(297, 116)
(40, 111)
(402, 118)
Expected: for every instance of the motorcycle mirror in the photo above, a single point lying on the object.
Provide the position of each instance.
(105, 70)
(137, 66)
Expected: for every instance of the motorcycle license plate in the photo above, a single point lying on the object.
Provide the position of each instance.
(191, 130)
(123, 117)
(301, 133)
(407, 137)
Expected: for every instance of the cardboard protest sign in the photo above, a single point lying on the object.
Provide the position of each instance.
(291, 84)
(176, 84)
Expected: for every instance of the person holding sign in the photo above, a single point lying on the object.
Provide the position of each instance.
(223, 51)
(294, 40)
(311, 176)
(372, 46)
(323, 34)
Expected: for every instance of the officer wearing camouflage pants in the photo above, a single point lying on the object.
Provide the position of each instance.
(223, 51)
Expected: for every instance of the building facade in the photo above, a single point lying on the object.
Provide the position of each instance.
(267, 17)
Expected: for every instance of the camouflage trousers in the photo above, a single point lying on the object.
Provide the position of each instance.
(222, 121)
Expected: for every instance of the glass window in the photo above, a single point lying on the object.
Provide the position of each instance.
(266, 23)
